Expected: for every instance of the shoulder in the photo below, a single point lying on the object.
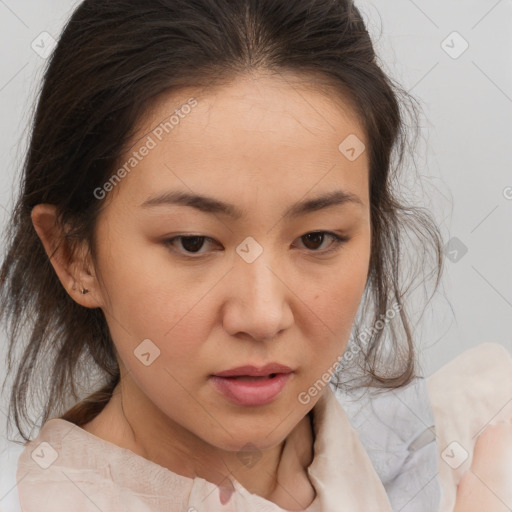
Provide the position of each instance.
(9, 455)
(468, 394)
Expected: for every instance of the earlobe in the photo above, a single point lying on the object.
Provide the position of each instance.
(71, 268)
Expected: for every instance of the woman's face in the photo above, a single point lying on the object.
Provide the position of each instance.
(258, 166)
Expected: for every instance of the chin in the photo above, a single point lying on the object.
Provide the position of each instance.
(247, 439)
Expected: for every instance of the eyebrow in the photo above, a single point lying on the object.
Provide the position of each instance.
(214, 206)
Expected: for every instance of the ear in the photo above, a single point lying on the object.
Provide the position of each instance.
(73, 268)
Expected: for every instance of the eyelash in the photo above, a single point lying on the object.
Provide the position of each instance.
(338, 241)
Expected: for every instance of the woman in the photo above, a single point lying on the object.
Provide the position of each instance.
(207, 205)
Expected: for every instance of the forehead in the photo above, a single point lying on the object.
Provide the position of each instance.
(276, 103)
(282, 132)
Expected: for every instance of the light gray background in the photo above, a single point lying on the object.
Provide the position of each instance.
(464, 154)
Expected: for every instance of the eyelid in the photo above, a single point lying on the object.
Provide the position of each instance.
(190, 255)
(337, 242)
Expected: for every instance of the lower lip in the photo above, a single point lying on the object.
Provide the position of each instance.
(251, 392)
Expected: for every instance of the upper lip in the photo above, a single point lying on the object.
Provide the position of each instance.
(255, 371)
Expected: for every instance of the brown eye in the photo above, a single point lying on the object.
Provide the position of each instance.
(313, 241)
(190, 244)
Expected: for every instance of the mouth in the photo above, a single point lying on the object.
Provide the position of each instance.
(251, 390)
(252, 378)
(269, 370)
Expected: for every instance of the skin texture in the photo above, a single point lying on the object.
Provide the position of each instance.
(261, 143)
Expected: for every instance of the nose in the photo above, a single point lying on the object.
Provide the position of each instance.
(258, 300)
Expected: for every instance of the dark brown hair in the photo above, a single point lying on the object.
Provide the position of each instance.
(113, 59)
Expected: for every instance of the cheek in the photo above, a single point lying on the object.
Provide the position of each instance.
(335, 301)
(337, 308)
(137, 280)
(339, 291)
(150, 302)
(171, 319)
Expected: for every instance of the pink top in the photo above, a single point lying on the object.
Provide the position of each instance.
(69, 469)
(469, 393)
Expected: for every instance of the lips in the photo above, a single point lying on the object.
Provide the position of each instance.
(254, 371)
(251, 385)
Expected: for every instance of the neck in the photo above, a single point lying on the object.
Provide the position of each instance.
(278, 474)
